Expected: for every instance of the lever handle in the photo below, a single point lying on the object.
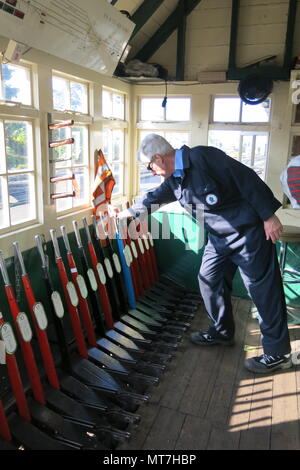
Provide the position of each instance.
(55, 243)
(20, 257)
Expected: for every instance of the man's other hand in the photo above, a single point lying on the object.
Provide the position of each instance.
(273, 228)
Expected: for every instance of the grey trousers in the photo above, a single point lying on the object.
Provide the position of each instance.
(257, 261)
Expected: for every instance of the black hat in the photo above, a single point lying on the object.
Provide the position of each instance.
(255, 88)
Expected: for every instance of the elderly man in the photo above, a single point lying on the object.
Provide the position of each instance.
(239, 216)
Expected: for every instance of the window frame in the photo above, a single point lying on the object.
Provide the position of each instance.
(121, 162)
(161, 126)
(12, 103)
(163, 121)
(164, 132)
(13, 227)
(239, 122)
(71, 78)
(113, 123)
(253, 129)
(86, 124)
(114, 92)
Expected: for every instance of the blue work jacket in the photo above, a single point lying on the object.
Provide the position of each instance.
(232, 194)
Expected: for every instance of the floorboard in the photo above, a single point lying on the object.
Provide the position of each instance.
(208, 400)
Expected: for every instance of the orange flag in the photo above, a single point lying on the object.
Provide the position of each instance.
(103, 185)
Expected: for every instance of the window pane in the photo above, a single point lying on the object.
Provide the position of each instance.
(117, 171)
(107, 143)
(113, 149)
(16, 84)
(61, 94)
(147, 180)
(178, 109)
(151, 109)
(4, 220)
(118, 145)
(144, 134)
(118, 106)
(63, 152)
(79, 97)
(261, 154)
(256, 113)
(21, 198)
(2, 149)
(106, 103)
(64, 187)
(177, 139)
(63, 172)
(226, 110)
(18, 144)
(228, 141)
(82, 180)
(247, 143)
(80, 146)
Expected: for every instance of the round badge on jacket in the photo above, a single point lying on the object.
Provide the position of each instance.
(211, 199)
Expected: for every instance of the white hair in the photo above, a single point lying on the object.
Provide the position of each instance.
(153, 144)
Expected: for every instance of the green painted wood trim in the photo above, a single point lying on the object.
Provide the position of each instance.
(233, 33)
(289, 39)
(277, 73)
(181, 36)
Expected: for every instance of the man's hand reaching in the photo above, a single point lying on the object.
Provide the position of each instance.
(112, 210)
(273, 228)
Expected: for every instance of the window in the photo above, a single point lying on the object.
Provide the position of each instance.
(113, 105)
(17, 173)
(248, 147)
(176, 109)
(177, 139)
(235, 110)
(72, 160)
(114, 128)
(113, 150)
(69, 95)
(16, 84)
(176, 116)
(232, 130)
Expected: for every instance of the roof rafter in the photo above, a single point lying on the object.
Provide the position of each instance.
(164, 31)
(144, 13)
(181, 35)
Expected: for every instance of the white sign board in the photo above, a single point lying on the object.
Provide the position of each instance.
(91, 33)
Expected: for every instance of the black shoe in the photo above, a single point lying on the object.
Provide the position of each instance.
(264, 364)
(205, 339)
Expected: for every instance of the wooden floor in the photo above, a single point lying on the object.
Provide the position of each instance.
(207, 400)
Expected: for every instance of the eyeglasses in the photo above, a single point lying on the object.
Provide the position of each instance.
(150, 165)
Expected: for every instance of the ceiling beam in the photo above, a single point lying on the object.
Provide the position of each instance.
(144, 13)
(233, 33)
(164, 31)
(289, 37)
(181, 35)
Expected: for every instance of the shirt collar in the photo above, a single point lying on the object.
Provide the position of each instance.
(181, 161)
